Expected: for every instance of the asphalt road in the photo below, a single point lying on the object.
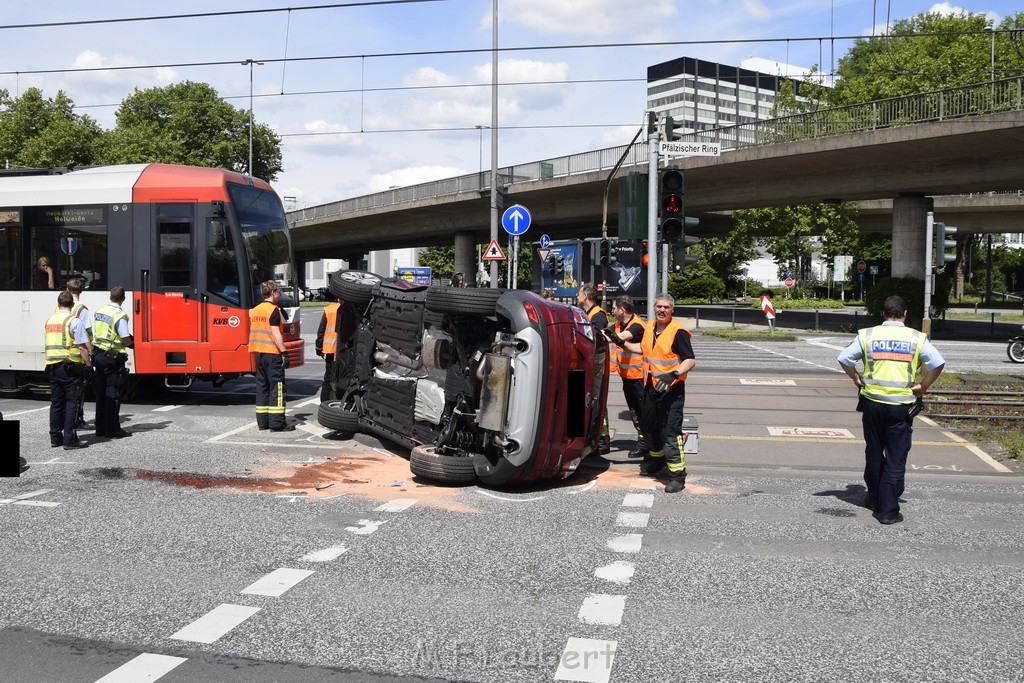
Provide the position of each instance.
(201, 549)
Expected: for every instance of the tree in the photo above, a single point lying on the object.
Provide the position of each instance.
(188, 123)
(727, 256)
(39, 132)
(926, 52)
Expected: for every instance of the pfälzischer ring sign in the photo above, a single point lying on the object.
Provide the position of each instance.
(690, 149)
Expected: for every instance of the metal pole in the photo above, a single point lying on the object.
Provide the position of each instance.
(652, 222)
(926, 325)
(494, 134)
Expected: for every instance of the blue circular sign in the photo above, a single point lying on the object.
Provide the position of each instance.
(545, 241)
(515, 220)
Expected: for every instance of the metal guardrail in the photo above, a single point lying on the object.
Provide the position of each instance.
(939, 105)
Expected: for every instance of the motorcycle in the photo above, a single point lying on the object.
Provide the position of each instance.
(1015, 349)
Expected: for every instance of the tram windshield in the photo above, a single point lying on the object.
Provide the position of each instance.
(265, 233)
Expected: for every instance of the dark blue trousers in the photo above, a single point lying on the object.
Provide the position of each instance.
(107, 388)
(888, 434)
(66, 389)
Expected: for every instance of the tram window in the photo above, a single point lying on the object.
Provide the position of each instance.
(12, 275)
(221, 265)
(73, 239)
(174, 222)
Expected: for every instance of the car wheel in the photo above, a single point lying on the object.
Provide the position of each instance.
(1016, 351)
(450, 469)
(333, 415)
(354, 286)
(463, 300)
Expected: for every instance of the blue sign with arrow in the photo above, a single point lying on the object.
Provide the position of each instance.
(69, 245)
(545, 242)
(515, 220)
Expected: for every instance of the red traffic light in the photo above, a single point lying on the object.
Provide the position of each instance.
(672, 204)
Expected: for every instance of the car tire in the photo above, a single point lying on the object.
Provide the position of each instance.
(425, 462)
(333, 415)
(475, 301)
(353, 286)
(1015, 351)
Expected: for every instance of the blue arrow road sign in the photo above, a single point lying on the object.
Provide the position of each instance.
(69, 245)
(545, 241)
(515, 220)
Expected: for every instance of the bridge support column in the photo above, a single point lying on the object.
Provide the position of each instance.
(908, 235)
(465, 257)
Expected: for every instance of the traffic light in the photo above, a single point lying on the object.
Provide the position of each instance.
(679, 256)
(668, 130)
(646, 259)
(670, 204)
(602, 252)
(613, 250)
(557, 266)
(941, 244)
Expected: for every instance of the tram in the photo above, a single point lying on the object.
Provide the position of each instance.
(189, 245)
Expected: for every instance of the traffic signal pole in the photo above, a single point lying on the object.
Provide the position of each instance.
(652, 222)
(929, 278)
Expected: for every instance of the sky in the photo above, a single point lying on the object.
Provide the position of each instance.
(358, 113)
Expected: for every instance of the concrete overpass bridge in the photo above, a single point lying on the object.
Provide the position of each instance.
(958, 146)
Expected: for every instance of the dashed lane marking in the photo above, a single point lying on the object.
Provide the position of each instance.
(166, 409)
(629, 543)
(365, 527)
(396, 505)
(618, 572)
(278, 582)
(587, 660)
(763, 349)
(325, 554)
(638, 500)
(982, 455)
(215, 623)
(602, 610)
(145, 667)
(636, 520)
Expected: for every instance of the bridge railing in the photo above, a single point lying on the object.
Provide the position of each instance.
(938, 105)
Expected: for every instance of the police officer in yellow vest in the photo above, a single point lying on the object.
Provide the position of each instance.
(111, 338)
(76, 285)
(67, 357)
(586, 297)
(628, 327)
(667, 358)
(326, 344)
(266, 342)
(893, 356)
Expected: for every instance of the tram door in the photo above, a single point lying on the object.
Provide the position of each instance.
(174, 310)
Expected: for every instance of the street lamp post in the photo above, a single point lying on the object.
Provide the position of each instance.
(250, 63)
(992, 55)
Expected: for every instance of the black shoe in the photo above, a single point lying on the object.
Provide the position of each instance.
(74, 446)
(120, 434)
(604, 445)
(651, 466)
(638, 453)
(896, 519)
(263, 429)
(869, 502)
(101, 435)
(286, 428)
(675, 485)
(56, 444)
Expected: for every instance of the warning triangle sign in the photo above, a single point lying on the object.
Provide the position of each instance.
(543, 254)
(493, 252)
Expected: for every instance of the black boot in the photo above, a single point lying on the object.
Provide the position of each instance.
(604, 445)
(652, 466)
(676, 482)
(641, 449)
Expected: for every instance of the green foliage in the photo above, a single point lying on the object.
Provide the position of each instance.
(726, 255)
(704, 287)
(441, 261)
(748, 334)
(782, 303)
(912, 291)
(189, 123)
(38, 132)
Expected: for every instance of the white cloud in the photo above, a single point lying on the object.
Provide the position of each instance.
(551, 75)
(403, 177)
(756, 10)
(587, 17)
(946, 9)
(324, 138)
(90, 59)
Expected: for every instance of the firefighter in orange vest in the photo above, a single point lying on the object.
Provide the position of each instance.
(586, 297)
(266, 342)
(327, 343)
(667, 357)
(628, 327)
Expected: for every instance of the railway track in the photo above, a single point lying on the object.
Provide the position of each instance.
(975, 405)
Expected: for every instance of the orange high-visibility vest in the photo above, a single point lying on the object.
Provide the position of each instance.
(629, 365)
(260, 338)
(331, 329)
(658, 358)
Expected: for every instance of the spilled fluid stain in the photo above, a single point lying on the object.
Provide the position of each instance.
(311, 480)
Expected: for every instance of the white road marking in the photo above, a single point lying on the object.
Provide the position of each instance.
(26, 412)
(584, 489)
(325, 554)
(800, 360)
(22, 499)
(602, 610)
(307, 402)
(247, 426)
(985, 457)
(215, 623)
(769, 382)
(816, 432)
(511, 500)
(821, 342)
(396, 505)
(637, 520)
(277, 582)
(145, 667)
(619, 572)
(365, 527)
(54, 461)
(630, 543)
(587, 660)
(165, 409)
(314, 429)
(638, 500)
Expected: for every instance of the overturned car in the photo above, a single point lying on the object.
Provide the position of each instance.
(499, 386)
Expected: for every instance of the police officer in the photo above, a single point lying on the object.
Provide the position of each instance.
(111, 339)
(67, 357)
(76, 285)
(266, 342)
(667, 358)
(628, 327)
(586, 297)
(327, 342)
(893, 355)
